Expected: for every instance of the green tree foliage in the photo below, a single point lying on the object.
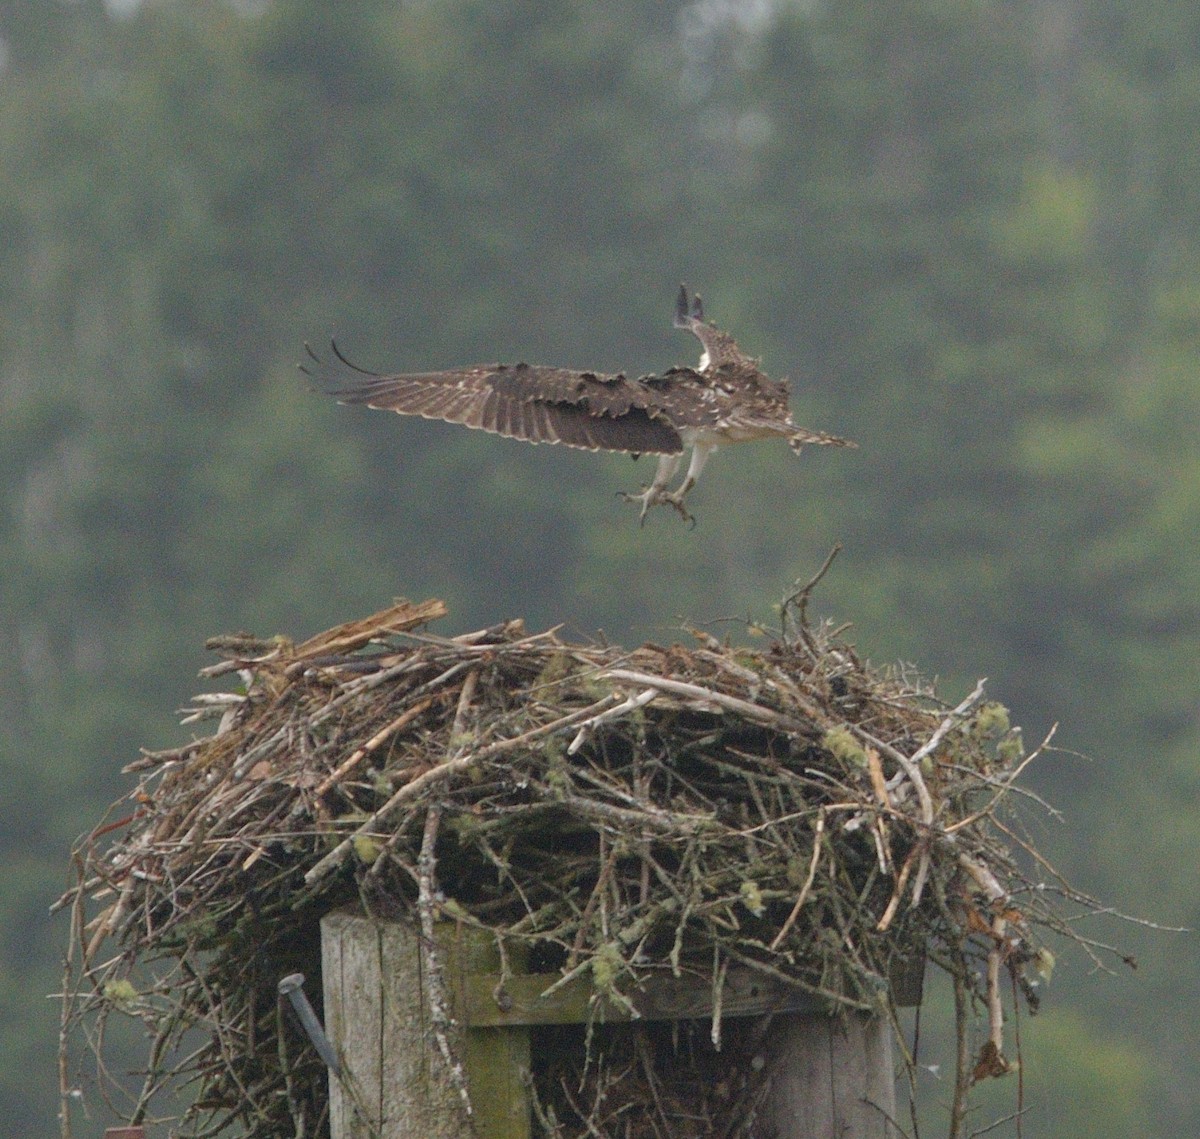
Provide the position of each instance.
(965, 228)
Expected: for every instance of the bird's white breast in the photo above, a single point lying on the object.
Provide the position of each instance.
(731, 432)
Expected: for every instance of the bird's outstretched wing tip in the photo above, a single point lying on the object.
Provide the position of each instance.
(328, 374)
(333, 344)
(305, 365)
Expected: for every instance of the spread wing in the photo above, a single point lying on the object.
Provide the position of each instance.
(524, 401)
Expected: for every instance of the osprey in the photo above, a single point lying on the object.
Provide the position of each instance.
(725, 399)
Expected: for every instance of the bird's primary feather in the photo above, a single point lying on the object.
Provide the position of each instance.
(530, 402)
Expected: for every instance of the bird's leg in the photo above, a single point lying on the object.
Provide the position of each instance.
(656, 491)
(700, 454)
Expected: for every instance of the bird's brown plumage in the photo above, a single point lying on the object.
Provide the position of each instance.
(726, 399)
(531, 402)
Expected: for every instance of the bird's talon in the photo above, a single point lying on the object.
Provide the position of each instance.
(648, 498)
(676, 501)
(651, 497)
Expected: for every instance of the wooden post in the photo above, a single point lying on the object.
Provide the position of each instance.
(831, 1077)
(395, 1083)
(495, 1057)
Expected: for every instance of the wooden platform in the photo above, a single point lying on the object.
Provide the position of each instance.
(830, 1076)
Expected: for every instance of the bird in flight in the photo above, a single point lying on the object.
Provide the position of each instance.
(725, 399)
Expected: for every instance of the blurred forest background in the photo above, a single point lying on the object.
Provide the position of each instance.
(967, 229)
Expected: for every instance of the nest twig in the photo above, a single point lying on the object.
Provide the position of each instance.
(620, 812)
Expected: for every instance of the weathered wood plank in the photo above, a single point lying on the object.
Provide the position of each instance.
(864, 1087)
(353, 991)
(747, 993)
(662, 997)
(799, 1105)
(497, 1062)
(419, 1098)
(496, 1059)
(395, 1082)
(831, 1077)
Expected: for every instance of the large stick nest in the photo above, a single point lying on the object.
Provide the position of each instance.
(791, 810)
